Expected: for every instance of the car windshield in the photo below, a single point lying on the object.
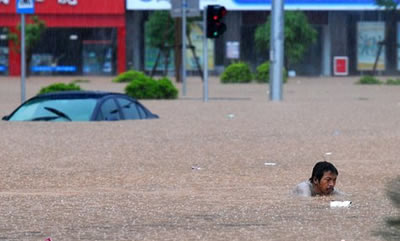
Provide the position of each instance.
(55, 110)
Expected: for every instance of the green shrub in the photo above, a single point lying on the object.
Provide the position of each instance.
(167, 89)
(59, 87)
(80, 81)
(148, 88)
(393, 82)
(128, 76)
(262, 73)
(143, 88)
(369, 80)
(237, 73)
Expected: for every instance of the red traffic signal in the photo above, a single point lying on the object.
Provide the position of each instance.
(215, 27)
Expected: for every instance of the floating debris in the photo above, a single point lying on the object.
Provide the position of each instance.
(196, 168)
(231, 116)
(340, 204)
(269, 164)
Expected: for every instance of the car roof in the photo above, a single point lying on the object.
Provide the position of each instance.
(78, 94)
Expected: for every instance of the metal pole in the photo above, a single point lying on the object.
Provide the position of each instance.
(184, 47)
(23, 58)
(205, 56)
(276, 50)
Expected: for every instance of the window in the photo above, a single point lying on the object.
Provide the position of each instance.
(109, 111)
(76, 109)
(129, 109)
(142, 112)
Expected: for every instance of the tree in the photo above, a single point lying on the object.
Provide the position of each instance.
(299, 35)
(388, 4)
(390, 7)
(164, 34)
(160, 31)
(33, 33)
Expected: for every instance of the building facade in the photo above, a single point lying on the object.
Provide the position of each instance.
(83, 37)
(352, 30)
(103, 37)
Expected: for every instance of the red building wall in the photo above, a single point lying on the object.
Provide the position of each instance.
(85, 14)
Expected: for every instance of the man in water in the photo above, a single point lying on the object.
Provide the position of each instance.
(322, 181)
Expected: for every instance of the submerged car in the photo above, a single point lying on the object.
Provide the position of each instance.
(80, 106)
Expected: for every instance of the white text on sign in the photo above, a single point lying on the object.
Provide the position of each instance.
(70, 2)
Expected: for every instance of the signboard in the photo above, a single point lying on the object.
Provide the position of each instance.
(369, 34)
(192, 9)
(70, 7)
(25, 7)
(341, 65)
(261, 4)
(232, 50)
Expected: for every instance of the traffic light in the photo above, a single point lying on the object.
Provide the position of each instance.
(215, 27)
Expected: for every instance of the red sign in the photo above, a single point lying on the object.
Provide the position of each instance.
(70, 7)
(341, 65)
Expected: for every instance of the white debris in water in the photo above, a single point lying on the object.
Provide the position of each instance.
(340, 204)
(196, 168)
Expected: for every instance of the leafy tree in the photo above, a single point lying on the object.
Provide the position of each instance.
(388, 4)
(160, 27)
(390, 32)
(299, 35)
(161, 34)
(33, 33)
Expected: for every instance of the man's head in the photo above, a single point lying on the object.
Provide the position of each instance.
(323, 178)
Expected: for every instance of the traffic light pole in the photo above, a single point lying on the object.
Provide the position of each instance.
(276, 50)
(205, 56)
(183, 64)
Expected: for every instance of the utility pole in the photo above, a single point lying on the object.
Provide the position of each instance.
(183, 63)
(205, 56)
(276, 50)
(24, 7)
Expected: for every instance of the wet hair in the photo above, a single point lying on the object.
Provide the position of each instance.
(320, 168)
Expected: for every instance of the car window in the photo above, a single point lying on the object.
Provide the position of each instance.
(129, 109)
(142, 112)
(47, 109)
(109, 111)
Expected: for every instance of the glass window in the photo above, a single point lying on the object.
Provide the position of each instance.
(97, 57)
(109, 111)
(129, 109)
(56, 110)
(142, 112)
